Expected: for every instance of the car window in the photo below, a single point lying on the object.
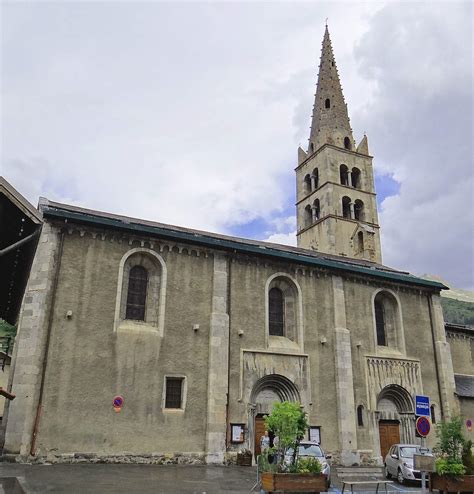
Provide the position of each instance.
(408, 452)
(306, 450)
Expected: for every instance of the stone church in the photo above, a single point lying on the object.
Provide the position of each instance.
(141, 339)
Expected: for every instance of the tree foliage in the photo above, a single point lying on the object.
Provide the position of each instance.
(288, 422)
(457, 311)
(450, 447)
(7, 329)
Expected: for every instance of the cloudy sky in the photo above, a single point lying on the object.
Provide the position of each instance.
(191, 113)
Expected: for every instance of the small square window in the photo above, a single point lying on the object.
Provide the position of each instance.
(174, 392)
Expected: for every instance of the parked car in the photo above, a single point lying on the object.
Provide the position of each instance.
(399, 462)
(311, 449)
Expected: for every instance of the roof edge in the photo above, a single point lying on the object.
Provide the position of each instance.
(90, 217)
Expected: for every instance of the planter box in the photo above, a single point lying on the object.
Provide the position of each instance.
(445, 483)
(293, 482)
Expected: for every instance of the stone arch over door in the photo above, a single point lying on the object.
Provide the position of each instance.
(395, 416)
(266, 391)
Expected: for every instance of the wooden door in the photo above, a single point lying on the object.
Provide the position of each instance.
(389, 434)
(259, 432)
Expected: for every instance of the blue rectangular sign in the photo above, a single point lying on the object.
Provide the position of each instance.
(422, 405)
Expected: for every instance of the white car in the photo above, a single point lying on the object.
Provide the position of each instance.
(399, 462)
(311, 449)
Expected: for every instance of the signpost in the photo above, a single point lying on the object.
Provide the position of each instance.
(118, 402)
(423, 427)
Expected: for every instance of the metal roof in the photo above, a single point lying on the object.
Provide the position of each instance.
(279, 252)
(464, 385)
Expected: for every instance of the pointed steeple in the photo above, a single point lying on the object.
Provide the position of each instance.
(330, 122)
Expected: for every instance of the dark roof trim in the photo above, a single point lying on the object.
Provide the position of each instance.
(216, 242)
(20, 202)
(459, 328)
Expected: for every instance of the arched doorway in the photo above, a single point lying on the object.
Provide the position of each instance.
(395, 415)
(265, 392)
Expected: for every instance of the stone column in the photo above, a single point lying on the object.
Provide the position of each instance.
(344, 379)
(351, 205)
(349, 178)
(314, 216)
(313, 182)
(30, 344)
(218, 365)
(447, 385)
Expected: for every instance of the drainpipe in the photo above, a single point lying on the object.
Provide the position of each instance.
(48, 338)
(229, 271)
(430, 312)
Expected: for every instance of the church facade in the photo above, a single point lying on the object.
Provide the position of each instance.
(148, 340)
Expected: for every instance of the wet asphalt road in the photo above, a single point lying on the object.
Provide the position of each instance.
(140, 479)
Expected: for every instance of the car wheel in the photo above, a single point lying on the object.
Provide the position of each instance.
(400, 477)
(388, 475)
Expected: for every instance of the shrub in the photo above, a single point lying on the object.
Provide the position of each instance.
(468, 458)
(449, 448)
(444, 466)
(308, 465)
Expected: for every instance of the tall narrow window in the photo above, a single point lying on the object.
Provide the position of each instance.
(136, 297)
(316, 210)
(307, 184)
(174, 392)
(380, 322)
(276, 312)
(359, 210)
(315, 178)
(355, 178)
(308, 216)
(344, 175)
(327, 103)
(347, 143)
(346, 207)
(433, 415)
(360, 416)
(360, 241)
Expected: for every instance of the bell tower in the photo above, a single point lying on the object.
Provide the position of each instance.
(335, 194)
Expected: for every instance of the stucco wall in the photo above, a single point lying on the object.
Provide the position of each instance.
(88, 363)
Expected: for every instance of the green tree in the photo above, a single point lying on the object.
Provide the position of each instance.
(450, 447)
(289, 423)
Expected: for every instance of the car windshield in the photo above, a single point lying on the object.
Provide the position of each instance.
(306, 450)
(408, 452)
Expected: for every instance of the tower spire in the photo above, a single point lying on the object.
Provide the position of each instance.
(330, 123)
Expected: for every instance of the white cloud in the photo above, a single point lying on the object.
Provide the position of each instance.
(283, 238)
(191, 114)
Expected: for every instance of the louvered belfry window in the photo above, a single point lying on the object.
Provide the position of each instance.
(276, 312)
(136, 298)
(174, 392)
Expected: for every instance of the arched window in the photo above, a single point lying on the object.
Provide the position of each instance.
(346, 207)
(308, 216)
(388, 322)
(360, 242)
(327, 103)
(347, 143)
(307, 184)
(311, 147)
(433, 414)
(359, 210)
(315, 178)
(141, 290)
(284, 309)
(316, 210)
(276, 314)
(136, 295)
(380, 322)
(344, 175)
(355, 178)
(360, 416)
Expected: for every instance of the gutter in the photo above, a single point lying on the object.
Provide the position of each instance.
(235, 246)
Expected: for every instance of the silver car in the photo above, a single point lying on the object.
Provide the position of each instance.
(399, 462)
(313, 450)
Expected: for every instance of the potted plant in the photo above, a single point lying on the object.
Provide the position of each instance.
(454, 463)
(280, 467)
(244, 458)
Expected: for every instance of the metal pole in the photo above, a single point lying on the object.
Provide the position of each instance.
(423, 473)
